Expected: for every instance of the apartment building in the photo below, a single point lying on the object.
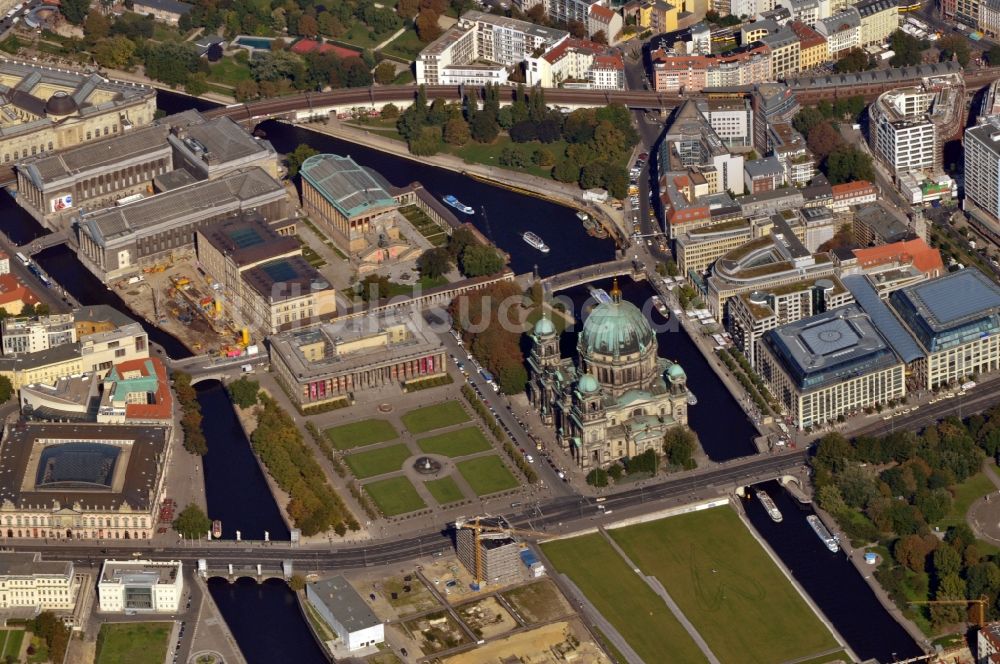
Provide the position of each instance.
(842, 32)
(784, 49)
(577, 63)
(691, 73)
(481, 38)
(850, 194)
(879, 19)
(762, 175)
(982, 166)
(813, 49)
(732, 120)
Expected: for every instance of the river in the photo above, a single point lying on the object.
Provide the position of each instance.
(266, 621)
(831, 580)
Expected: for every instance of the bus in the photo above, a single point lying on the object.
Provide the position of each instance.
(24, 259)
(129, 199)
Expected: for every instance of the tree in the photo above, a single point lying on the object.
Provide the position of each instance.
(907, 49)
(597, 477)
(114, 52)
(577, 29)
(515, 156)
(385, 73)
(6, 389)
(297, 582)
(390, 112)
(308, 26)
(427, 26)
(96, 26)
(479, 260)
(27, 309)
(847, 163)
(823, 139)
(456, 132)
(295, 158)
(329, 25)
(679, 445)
(955, 46)
(246, 90)
(855, 60)
(434, 262)
(374, 287)
(523, 131)
(42, 309)
(192, 522)
(244, 392)
(911, 551)
(460, 239)
(993, 56)
(75, 11)
(426, 142)
(946, 561)
(484, 128)
(54, 632)
(172, 62)
(566, 171)
(950, 587)
(600, 37)
(196, 84)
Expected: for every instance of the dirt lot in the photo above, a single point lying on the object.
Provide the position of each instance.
(551, 644)
(486, 618)
(406, 602)
(436, 632)
(538, 602)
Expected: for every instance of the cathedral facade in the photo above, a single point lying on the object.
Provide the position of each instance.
(619, 399)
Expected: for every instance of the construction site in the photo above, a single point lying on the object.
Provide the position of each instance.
(181, 299)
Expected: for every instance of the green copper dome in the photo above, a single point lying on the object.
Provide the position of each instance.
(615, 328)
(544, 327)
(588, 384)
(675, 371)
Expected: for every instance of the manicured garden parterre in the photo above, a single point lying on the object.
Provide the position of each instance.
(444, 490)
(378, 461)
(133, 643)
(460, 442)
(433, 417)
(727, 586)
(487, 475)
(363, 432)
(395, 495)
(624, 599)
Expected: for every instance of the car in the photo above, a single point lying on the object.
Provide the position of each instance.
(530, 458)
(644, 156)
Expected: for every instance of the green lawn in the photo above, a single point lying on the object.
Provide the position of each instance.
(229, 72)
(133, 643)
(966, 493)
(406, 46)
(623, 598)
(378, 462)
(434, 417)
(727, 586)
(444, 490)
(395, 495)
(363, 432)
(455, 443)
(487, 475)
(12, 640)
(358, 35)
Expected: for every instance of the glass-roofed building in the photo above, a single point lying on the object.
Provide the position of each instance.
(831, 364)
(956, 321)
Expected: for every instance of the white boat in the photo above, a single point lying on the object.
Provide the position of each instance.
(457, 204)
(772, 509)
(660, 306)
(692, 400)
(582, 216)
(824, 534)
(600, 295)
(535, 242)
(217, 529)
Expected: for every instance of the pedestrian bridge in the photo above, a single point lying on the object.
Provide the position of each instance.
(583, 275)
(45, 242)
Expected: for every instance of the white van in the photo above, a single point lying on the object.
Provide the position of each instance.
(247, 368)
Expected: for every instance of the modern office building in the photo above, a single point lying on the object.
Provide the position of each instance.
(28, 582)
(875, 224)
(141, 586)
(619, 399)
(266, 284)
(119, 241)
(483, 38)
(772, 103)
(346, 612)
(331, 361)
(832, 364)
(982, 172)
(82, 481)
(956, 321)
(43, 109)
(499, 555)
(908, 126)
(732, 120)
(30, 335)
(752, 314)
(690, 141)
(698, 248)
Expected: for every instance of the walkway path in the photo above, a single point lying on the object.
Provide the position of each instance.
(607, 629)
(658, 588)
(391, 38)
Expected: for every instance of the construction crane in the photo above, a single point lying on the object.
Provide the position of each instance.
(489, 531)
(980, 603)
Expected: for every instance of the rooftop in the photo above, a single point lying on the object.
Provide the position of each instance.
(214, 142)
(766, 167)
(952, 300)
(891, 328)
(144, 387)
(347, 186)
(28, 564)
(887, 76)
(344, 603)
(882, 222)
(172, 6)
(830, 347)
(139, 572)
(133, 479)
(284, 279)
(925, 258)
(247, 241)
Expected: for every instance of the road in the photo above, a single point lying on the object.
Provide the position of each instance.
(557, 515)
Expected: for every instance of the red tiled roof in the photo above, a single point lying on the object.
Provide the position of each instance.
(162, 406)
(555, 54)
(13, 291)
(609, 62)
(603, 14)
(807, 36)
(853, 188)
(924, 257)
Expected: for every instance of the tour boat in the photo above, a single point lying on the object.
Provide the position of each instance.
(217, 529)
(772, 509)
(536, 242)
(457, 204)
(660, 306)
(824, 534)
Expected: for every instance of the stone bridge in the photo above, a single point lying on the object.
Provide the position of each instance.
(45, 242)
(590, 273)
(232, 571)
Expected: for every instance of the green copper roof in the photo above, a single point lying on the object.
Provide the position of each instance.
(588, 384)
(347, 186)
(544, 326)
(675, 371)
(615, 328)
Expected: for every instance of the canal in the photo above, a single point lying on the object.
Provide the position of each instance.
(235, 488)
(721, 424)
(266, 621)
(830, 579)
